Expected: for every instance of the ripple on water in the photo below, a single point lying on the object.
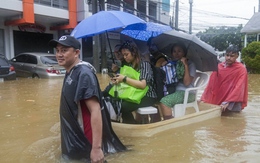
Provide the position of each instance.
(47, 150)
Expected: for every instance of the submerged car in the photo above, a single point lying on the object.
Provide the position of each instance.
(37, 65)
(7, 71)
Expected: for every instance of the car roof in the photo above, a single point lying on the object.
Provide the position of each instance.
(37, 53)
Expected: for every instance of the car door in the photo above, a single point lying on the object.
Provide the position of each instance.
(25, 65)
(30, 65)
(18, 63)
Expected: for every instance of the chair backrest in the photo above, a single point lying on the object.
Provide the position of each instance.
(201, 79)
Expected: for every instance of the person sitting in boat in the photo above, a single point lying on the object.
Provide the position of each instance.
(185, 73)
(133, 60)
(157, 58)
(228, 87)
(115, 67)
(119, 59)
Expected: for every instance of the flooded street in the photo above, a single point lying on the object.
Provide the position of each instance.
(30, 133)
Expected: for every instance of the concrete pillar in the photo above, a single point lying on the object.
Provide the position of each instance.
(135, 6)
(147, 10)
(105, 9)
(9, 42)
(245, 40)
(158, 11)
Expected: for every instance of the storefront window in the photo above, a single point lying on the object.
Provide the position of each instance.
(53, 3)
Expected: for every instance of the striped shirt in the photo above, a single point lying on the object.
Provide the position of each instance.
(170, 70)
(146, 73)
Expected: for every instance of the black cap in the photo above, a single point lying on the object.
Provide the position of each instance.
(66, 40)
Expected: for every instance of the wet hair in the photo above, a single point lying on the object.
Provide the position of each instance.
(180, 44)
(132, 47)
(117, 47)
(117, 52)
(232, 49)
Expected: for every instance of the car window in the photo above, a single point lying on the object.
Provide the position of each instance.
(49, 60)
(32, 59)
(3, 62)
(21, 58)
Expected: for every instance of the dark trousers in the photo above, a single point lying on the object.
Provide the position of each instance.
(128, 107)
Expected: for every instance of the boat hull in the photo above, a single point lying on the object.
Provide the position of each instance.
(207, 111)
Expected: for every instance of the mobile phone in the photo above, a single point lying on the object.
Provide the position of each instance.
(111, 75)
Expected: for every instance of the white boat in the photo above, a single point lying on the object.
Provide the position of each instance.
(207, 111)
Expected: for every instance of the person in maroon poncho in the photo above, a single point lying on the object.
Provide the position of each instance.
(227, 87)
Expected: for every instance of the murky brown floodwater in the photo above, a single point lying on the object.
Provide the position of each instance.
(29, 133)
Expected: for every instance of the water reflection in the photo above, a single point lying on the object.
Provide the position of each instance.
(29, 130)
(222, 140)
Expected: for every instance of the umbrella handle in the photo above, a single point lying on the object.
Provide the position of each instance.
(113, 59)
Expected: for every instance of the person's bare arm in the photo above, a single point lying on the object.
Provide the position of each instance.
(187, 79)
(93, 105)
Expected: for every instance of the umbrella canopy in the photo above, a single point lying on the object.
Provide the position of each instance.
(104, 21)
(145, 31)
(202, 54)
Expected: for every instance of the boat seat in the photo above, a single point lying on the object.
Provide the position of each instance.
(200, 81)
(147, 111)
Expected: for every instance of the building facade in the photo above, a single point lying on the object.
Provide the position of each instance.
(28, 25)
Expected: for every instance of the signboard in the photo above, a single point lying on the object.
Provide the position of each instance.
(32, 28)
(113, 35)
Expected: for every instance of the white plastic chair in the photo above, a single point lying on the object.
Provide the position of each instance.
(149, 110)
(200, 81)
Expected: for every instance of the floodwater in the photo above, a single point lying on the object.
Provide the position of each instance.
(29, 132)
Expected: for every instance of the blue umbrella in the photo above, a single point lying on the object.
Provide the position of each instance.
(145, 31)
(104, 21)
